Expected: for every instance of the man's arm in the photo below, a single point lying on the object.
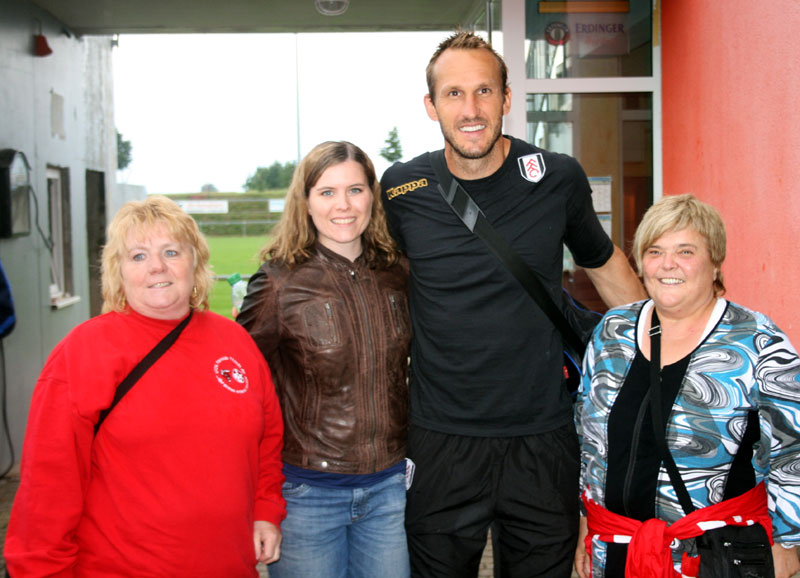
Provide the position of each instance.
(616, 282)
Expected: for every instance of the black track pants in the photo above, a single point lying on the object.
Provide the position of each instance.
(525, 488)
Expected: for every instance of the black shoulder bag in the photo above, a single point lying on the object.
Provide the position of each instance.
(574, 321)
(729, 551)
(141, 367)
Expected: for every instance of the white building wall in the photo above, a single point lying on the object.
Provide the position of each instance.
(77, 73)
(126, 192)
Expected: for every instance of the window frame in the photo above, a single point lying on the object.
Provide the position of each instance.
(59, 206)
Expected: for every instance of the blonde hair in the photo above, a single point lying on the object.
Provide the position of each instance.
(295, 233)
(140, 216)
(676, 213)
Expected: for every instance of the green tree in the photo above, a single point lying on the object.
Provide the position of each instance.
(287, 173)
(393, 151)
(275, 176)
(124, 149)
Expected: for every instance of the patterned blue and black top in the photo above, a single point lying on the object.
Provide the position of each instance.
(743, 362)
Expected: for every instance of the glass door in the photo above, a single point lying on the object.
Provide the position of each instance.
(592, 91)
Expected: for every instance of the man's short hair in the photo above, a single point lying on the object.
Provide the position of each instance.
(464, 41)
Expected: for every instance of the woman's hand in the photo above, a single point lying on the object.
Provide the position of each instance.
(267, 538)
(582, 562)
(786, 561)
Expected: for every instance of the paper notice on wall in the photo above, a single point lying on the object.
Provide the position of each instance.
(606, 222)
(601, 194)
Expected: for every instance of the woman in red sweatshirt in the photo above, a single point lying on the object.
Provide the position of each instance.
(183, 477)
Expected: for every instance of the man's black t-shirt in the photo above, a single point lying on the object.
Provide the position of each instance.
(485, 360)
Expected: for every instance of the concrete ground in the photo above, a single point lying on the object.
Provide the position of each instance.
(8, 487)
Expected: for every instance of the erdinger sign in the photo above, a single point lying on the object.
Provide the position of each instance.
(599, 34)
(556, 33)
(590, 34)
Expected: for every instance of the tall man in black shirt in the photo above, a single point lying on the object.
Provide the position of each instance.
(491, 423)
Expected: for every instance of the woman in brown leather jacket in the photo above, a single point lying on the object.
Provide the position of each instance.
(329, 311)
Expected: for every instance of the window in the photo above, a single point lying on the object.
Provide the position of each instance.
(58, 200)
(486, 23)
(593, 93)
(612, 39)
(611, 133)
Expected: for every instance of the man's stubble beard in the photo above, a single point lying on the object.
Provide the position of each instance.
(472, 156)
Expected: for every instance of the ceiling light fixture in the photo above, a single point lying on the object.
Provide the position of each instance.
(331, 7)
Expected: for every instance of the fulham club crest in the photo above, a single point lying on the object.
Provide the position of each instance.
(532, 167)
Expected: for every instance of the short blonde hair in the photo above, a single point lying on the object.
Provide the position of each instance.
(140, 216)
(463, 40)
(676, 213)
(295, 233)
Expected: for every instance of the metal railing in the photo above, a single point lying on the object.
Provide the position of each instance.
(207, 225)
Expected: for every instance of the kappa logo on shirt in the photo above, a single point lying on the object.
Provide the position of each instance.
(405, 188)
(532, 167)
(231, 375)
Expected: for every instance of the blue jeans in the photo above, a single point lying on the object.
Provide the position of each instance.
(344, 532)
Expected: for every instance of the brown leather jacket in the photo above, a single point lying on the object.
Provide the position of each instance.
(336, 336)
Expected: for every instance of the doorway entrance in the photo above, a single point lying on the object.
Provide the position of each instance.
(96, 235)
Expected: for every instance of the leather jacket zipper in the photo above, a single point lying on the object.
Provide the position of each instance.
(371, 358)
(396, 314)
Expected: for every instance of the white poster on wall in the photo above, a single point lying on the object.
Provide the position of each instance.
(601, 194)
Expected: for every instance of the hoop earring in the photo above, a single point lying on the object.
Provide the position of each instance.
(194, 292)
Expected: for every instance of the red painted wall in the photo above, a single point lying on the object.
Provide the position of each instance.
(731, 136)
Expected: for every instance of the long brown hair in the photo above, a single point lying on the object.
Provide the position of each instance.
(295, 233)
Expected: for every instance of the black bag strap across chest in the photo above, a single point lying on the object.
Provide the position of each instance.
(475, 220)
(139, 370)
(741, 476)
(658, 420)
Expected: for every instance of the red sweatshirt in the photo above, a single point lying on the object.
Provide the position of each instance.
(179, 470)
(649, 552)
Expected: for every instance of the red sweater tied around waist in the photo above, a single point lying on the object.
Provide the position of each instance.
(649, 553)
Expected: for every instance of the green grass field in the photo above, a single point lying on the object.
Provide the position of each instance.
(231, 255)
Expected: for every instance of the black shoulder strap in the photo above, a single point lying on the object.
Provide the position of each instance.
(141, 367)
(658, 419)
(741, 476)
(473, 217)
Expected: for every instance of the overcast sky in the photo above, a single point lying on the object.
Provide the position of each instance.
(212, 108)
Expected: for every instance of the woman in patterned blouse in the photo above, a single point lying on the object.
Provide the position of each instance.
(730, 412)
